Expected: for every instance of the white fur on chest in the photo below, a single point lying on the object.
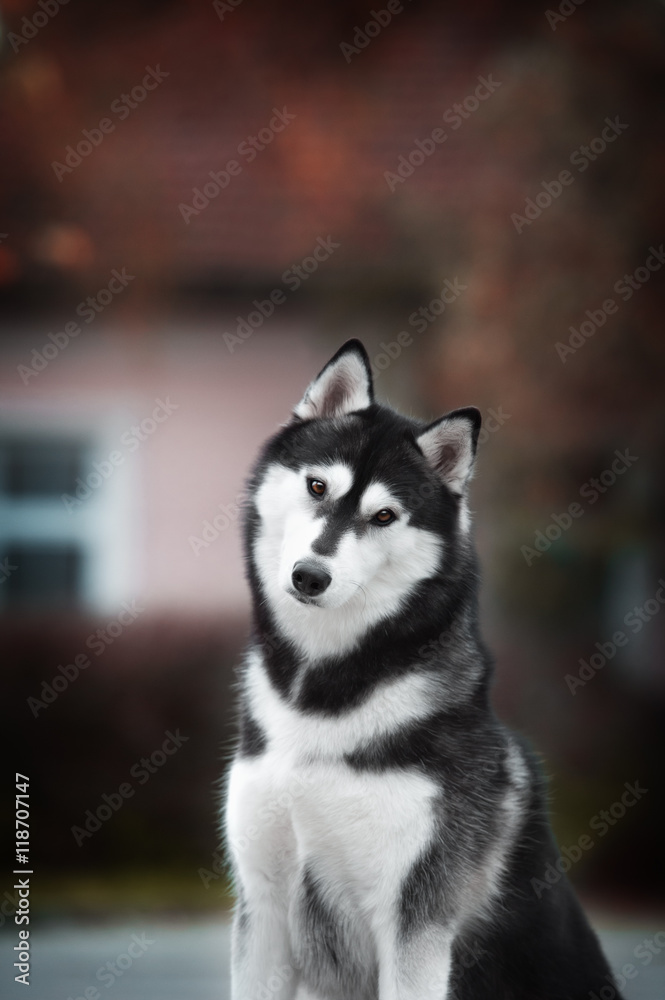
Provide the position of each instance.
(300, 736)
(364, 830)
(299, 802)
(360, 831)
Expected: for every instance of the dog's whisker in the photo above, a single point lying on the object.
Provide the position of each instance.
(360, 587)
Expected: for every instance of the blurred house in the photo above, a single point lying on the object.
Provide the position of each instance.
(198, 203)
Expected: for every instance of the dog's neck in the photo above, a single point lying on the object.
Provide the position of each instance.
(435, 632)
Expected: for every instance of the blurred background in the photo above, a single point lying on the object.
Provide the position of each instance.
(199, 202)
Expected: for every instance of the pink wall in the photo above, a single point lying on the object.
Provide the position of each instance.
(193, 461)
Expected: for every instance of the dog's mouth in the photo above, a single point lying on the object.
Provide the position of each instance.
(303, 599)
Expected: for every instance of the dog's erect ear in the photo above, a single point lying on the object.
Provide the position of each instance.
(344, 385)
(449, 445)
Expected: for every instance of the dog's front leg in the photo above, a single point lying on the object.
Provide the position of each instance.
(261, 961)
(416, 965)
(262, 850)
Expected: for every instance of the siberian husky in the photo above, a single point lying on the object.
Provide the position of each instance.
(387, 834)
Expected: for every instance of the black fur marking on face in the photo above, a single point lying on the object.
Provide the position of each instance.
(341, 517)
(327, 542)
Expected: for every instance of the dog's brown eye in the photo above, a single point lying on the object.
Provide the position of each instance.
(384, 516)
(316, 487)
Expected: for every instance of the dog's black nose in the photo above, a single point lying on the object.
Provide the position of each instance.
(309, 579)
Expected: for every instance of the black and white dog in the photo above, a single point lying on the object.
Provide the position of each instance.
(384, 827)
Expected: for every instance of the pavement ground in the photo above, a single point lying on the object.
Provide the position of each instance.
(189, 960)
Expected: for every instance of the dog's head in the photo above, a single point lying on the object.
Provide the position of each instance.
(353, 506)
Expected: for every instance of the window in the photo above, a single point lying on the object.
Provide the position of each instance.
(43, 576)
(64, 545)
(43, 558)
(39, 467)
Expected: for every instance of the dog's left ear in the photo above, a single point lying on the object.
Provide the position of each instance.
(449, 445)
(344, 385)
